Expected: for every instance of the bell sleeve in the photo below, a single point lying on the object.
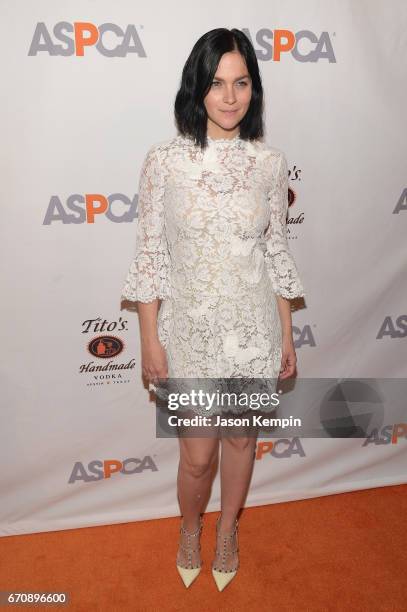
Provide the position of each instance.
(148, 275)
(279, 260)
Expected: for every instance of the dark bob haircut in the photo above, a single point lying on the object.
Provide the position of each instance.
(197, 75)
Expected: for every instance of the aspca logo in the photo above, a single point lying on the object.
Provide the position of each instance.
(78, 209)
(401, 202)
(99, 470)
(393, 329)
(105, 347)
(389, 434)
(108, 39)
(280, 449)
(303, 46)
(303, 337)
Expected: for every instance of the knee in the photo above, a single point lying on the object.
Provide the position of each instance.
(238, 443)
(198, 466)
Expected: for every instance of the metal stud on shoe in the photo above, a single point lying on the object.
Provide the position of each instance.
(223, 576)
(188, 571)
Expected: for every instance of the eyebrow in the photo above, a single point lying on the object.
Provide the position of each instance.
(244, 76)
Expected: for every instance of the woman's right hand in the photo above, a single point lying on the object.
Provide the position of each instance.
(153, 360)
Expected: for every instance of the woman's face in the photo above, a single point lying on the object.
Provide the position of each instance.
(229, 97)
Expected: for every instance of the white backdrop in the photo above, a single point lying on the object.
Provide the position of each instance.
(78, 445)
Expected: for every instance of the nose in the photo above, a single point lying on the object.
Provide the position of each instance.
(229, 96)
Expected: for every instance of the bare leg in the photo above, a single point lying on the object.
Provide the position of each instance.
(237, 461)
(195, 473)
(197, 465)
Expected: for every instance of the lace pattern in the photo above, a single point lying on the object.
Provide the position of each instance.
(279, 260)
(211, 243)
(148, 275)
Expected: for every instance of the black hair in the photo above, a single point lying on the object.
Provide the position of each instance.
(197, 75)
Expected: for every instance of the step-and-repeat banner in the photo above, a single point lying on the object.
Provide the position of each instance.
(87, 88)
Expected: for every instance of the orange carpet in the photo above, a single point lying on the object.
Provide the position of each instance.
(345, 552)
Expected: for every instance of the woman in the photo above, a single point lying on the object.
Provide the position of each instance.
(213, 273)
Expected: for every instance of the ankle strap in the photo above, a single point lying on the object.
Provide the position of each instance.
(184, 531)
(233, 530)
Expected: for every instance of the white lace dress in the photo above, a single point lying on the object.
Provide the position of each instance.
(211, 243)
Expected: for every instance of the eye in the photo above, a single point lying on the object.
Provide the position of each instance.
(244, 83)
(214, 83)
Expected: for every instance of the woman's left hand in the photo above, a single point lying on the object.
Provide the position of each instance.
(288, 358)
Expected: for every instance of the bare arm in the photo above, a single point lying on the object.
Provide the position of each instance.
(153, 356)
(288, 358)
(147, 313)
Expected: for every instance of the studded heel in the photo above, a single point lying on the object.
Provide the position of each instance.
(189, 562)
(226, 562)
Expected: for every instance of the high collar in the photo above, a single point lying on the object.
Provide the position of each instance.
(216, 141)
